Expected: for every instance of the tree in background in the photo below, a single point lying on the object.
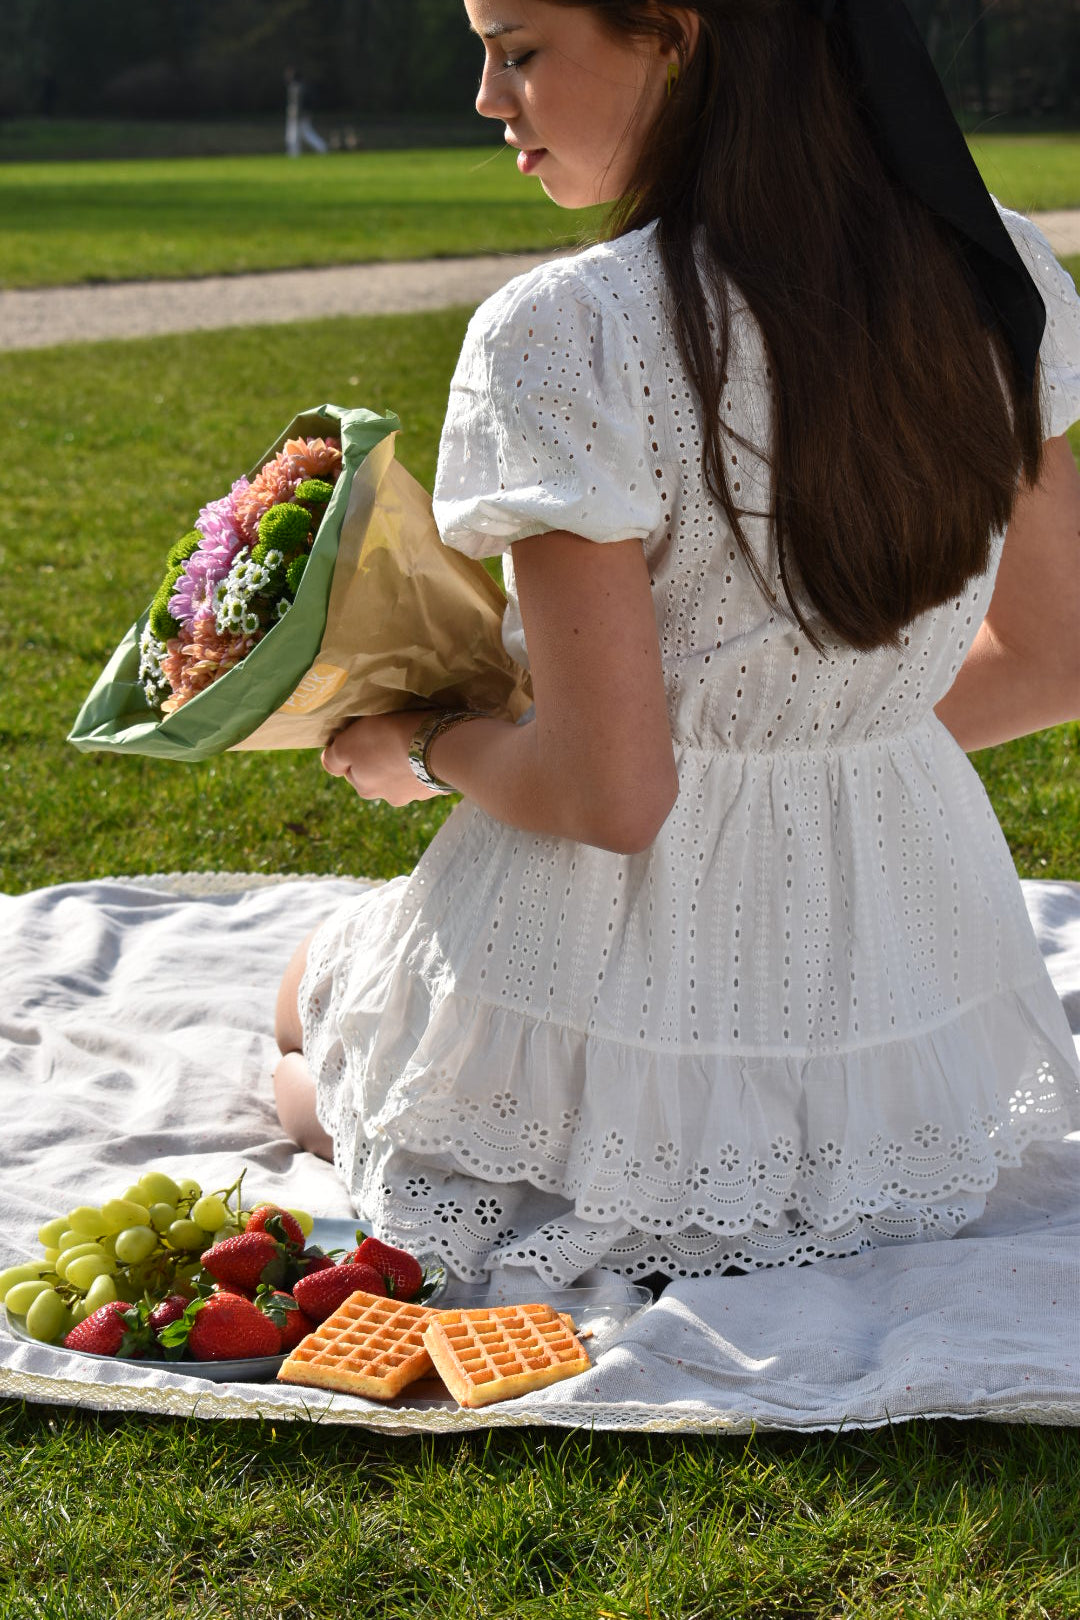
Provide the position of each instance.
(401, 60)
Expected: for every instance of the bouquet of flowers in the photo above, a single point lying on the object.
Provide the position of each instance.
(317, 590)
(236, 573)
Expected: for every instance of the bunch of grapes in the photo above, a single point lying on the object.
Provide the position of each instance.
(143, 1245)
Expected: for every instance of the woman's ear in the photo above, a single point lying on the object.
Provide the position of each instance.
(690, 23)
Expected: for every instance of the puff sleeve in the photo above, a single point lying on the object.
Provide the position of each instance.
(1059, 353)
(545, 427)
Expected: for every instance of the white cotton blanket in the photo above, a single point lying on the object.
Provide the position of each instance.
(135, 1029)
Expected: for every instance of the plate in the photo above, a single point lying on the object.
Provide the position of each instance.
(328, 1235)
(250, 1370)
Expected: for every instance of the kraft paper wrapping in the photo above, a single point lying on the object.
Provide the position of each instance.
(410, 622)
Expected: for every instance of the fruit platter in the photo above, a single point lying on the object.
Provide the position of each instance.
(221, 1285)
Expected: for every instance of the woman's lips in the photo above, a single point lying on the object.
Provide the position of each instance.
(530, 158)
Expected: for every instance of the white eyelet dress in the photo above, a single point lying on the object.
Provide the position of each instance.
(812, 1017)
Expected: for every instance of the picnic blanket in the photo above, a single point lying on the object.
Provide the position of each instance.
(135, 1030)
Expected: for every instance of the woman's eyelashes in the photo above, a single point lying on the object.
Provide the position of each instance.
(518, 61)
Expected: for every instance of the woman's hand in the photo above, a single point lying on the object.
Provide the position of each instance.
(373, 756)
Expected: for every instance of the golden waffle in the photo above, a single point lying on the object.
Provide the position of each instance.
(491, 1355)
(370, 1346)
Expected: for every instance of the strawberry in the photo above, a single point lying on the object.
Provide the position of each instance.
(104, 1331)
(279, 1223)
(246, 1260)
(286, 1315)
(400, 1272)
(321, 1292)
(170, 1309)
(226, 1327)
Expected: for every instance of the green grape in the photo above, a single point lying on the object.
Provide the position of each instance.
(28, 1271)
(78, 1253)
(230, 1229)
(68, 1239)
(305, 1221)
(162, 1216)
(187, 1187)
(49, 1234)
(87, 1268)
(51, 1255)
(121, 1212)
(124, 1289)
(100, 1292)
(23, 1294)
(158, 1188)
(46, 1316)
(186, 1235)
(87, 1220)
(133, 1194)
(135, 1243)
(209, 1212)
(78, 1313)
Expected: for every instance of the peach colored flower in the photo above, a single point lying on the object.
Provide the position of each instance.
(190, 667)
(272, 485)
(313, 458)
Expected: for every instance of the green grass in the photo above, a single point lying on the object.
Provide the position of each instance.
(76, 222)
(143, 1519)
(1030, 172)
(112, 448)
(117, 221)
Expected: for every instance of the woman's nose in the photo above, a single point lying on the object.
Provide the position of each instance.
(495, 99)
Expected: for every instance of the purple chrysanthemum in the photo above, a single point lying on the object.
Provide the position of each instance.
(217, 525)
(211, 562)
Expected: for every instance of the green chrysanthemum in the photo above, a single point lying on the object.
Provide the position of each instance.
(295, 573)
(162, 622)
(184, 547)
(315, 491)
(285, 527)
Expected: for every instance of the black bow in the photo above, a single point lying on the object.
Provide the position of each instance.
(918, 137)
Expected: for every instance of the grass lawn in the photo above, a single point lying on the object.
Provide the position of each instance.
(74, 222)
(115, 221)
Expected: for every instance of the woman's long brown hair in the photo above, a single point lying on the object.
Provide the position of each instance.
(901, 425)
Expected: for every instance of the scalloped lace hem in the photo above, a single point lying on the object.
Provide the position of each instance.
(575, 1156)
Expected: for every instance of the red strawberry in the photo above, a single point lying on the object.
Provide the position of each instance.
(228, 1328)
(401, 1273)
(103, 1332)
(246, 1260)
(321, 1292)
(170, 1309)
(278, 1222)
(313, 1260)
(292, 1323)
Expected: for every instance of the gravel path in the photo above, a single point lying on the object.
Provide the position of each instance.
(42, 317)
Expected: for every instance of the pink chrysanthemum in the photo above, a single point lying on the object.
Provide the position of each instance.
(218, 527)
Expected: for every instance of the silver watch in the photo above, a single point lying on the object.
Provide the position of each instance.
(422, 740)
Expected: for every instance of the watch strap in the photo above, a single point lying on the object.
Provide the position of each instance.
(434, 726)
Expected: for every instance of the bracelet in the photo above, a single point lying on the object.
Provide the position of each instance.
(423, 739)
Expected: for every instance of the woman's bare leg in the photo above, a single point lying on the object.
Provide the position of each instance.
(294, 1088)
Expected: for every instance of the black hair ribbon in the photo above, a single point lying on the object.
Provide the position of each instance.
(904, 102)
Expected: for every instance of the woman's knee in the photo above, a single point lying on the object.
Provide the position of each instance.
(288, 1029)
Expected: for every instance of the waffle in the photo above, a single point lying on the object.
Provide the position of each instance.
(491, 1355)
(369, 1346)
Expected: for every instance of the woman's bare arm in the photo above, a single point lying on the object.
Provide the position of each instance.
(596, 765)
(1022, 672)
